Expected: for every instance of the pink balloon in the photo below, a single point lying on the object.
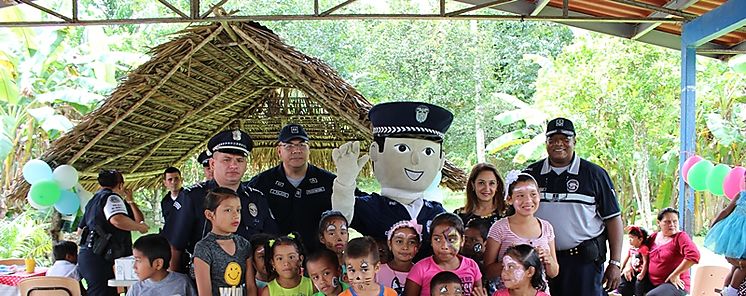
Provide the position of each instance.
(688, 163)
(733, 182)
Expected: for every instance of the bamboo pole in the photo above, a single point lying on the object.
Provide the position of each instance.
(147, 96)
(232, 35)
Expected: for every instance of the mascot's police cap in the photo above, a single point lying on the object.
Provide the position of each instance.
(204, 158)
(409, 118)
(232, 142)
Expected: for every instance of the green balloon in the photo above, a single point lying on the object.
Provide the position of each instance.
(716, 177)
(697, 175)
(45, 193)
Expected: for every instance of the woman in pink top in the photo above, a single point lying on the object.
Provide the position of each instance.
(522, 227)
(672, 253)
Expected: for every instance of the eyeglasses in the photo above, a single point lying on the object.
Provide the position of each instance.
(290, 146)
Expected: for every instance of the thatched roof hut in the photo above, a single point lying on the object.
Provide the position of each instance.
(211, 78)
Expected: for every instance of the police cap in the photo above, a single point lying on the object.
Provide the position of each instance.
(409, 118)
(560, 125)
(292, 131)
(204, 159)
(231, 142)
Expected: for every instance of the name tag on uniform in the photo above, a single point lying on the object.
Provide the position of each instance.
(315, 190)
(177, 205)
(279, 193)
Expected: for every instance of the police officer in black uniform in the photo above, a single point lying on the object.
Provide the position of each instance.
(187, 224)
(204, 160)
(297, 191)
(105, 232)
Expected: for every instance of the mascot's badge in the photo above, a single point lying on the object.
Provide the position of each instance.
(237, 135)
(572, 185)
(253, 210)
(421, 113)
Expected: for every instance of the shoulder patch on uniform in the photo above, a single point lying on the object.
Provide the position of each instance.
(194, 186)
(114, 198)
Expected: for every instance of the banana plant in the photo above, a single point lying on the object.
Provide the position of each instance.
(528, 135)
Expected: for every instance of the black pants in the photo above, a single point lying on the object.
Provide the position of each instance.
(646, 288)
(577, 276)
(628, 288)
(97, 272)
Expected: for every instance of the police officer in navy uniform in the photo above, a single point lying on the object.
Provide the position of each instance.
(406, 154)
(578, 199)
(297, 191)
(108, 213)
(204, 160)
(172, 181)
(188, 225)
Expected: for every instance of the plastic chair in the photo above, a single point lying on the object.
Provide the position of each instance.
(12, 261)
(49, 286)
(707, 279)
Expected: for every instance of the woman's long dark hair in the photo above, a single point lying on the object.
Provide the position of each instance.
(498, 201)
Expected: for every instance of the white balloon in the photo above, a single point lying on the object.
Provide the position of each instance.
(66, 176)
(35, 205)
(84, 195)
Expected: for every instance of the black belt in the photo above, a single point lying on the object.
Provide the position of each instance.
(587, 248)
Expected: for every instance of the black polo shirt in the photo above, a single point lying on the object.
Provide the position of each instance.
(297, 208)
(187, 223)
(576, 202)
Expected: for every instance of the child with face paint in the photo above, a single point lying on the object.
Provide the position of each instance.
(404, 242)
(362, 261)
(333, 232)
(222, 260)
(521, 227)
(475, 241)
(447, 239)
(325, 273)
(262, 277)
(521, 272)
(284, 258)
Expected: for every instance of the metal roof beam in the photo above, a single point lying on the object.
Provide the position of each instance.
(477, 7)
(572, 18)
(44, 9)
(538, 7)
(726, 18)
(643, 29)
(333, 9)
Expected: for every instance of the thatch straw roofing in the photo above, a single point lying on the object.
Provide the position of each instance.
(208, 79)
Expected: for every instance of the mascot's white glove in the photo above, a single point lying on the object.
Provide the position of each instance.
(348, 167)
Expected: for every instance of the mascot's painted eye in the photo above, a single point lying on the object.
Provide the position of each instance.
(428, 151)
(401, 147)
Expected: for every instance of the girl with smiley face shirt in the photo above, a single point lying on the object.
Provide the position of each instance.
(447, 238)
(222, 260)
(521, 227)
(284, 257)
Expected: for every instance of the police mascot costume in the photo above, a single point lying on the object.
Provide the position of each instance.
(407, 154)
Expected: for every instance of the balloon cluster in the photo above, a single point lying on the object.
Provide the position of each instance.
(58, 188)
(721, 179)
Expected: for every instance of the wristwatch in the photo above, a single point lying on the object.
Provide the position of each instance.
(614, 262)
